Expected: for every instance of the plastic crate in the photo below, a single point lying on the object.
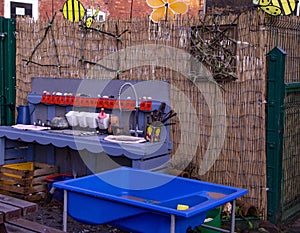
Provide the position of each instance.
(58, 193)
(215, 220)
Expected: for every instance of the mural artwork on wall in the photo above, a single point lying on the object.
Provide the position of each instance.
(74, 11)
(163, 9)
(276, 7)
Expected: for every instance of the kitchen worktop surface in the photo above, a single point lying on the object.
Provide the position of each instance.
(88, 140)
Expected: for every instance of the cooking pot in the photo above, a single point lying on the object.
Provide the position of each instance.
(59, 122)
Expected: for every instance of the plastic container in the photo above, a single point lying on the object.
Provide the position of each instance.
(72, 118)
(91, 120)
(82, 119)
(58, 193)
(142, 201)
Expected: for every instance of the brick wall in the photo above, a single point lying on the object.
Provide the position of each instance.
(2, 8)
(46, 8)
(113, 8)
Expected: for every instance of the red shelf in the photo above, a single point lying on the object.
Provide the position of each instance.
(95, 102)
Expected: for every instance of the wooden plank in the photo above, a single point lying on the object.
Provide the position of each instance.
(34, 226)
(10, 212)
(45, 171)
(40, 179)
(1, 218)
(2, 150)
(31, 198)
(21, 173)
(26, 206)
(8, 179)
(25, 190)
(2, 228)
(15, 155)
(40, 169)
(40, 187)
(15, 144)
(35, 197)
(16, 229)
(22, 190)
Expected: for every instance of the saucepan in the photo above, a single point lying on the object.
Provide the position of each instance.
(59, 123)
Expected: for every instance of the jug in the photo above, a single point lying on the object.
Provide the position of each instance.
(23, 115)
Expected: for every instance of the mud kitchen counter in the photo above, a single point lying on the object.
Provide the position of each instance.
(84, 151)
(30, 145)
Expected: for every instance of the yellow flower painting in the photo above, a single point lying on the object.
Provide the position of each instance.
(164, 9)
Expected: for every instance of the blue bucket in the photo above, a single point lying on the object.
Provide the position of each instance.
(59, 193)
(23, 115)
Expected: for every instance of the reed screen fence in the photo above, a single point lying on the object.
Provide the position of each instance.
(65, 50)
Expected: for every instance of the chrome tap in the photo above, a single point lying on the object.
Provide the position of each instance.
(134, 91)
(136, 130)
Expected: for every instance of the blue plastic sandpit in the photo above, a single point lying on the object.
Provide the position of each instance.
(143, 201)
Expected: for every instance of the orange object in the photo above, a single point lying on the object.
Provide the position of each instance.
(162, 9)
(44, 98)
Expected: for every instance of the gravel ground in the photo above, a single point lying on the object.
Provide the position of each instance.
(51, 215)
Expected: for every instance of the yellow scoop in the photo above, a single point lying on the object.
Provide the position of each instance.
(182, 207)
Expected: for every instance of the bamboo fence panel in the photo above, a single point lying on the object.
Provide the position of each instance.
(78, 53)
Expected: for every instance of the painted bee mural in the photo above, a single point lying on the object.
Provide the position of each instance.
(74, 11)
(276, 7)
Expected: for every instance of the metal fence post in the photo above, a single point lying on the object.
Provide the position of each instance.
(275, 124)
(7, 71)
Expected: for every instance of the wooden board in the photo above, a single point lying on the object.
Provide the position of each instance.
(32, 197)
(1, 218)
(24, 189)
(15, 229)
(10, 212)
(26, 206)
(13, 180)
(21, 173)
(32, 226)
(19, 170)
(44, 169)
(2, 228)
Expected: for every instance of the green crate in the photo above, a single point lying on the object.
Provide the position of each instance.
(215, 215)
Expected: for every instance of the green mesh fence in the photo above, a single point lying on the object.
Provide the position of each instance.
(291, 155)
(284, 32)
